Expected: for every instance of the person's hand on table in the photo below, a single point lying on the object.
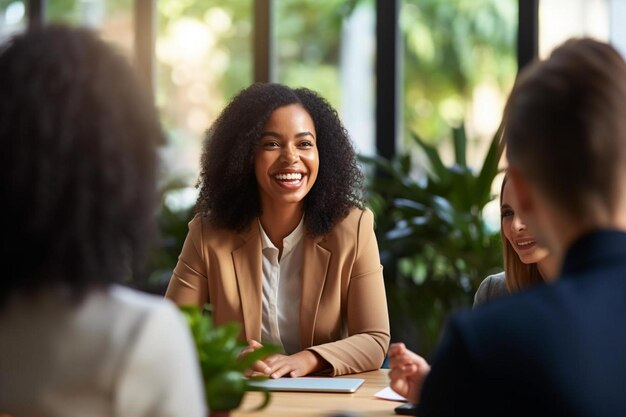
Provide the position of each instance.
(259, 367)
(408, 372)
(277, 365)
(298, 364)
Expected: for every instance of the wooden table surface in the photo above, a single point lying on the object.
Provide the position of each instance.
(302, 404)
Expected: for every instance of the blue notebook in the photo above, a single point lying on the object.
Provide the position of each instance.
(346, 385)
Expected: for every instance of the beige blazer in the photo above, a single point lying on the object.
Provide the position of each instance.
(343, 314)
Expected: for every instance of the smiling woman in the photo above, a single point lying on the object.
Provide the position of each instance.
(281, 242)
(287, 161)
(526, 263)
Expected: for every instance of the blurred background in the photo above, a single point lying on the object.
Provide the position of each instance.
(419, 84)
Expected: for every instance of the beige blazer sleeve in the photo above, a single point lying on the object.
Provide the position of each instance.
(366, 315)
(188, 284)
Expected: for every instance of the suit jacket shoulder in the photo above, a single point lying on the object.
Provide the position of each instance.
(555, 349)
(345, 231)
(350, 227)
(207, 235)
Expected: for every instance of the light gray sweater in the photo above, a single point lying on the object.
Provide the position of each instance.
(493, 286)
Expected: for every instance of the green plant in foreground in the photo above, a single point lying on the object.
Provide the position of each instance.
(222, 368)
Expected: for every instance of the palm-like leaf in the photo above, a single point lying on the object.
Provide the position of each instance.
(432, 236)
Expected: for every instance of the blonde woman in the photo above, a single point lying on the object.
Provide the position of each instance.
(526, 263)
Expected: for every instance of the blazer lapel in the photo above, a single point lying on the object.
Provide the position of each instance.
(248, 270)
(314, 270)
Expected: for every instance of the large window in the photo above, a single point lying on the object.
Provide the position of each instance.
(563, 19)
(113, 19)
(12, 17)
(204, 57)
(599, 19)
(329, 46)
(459, 66)
(454, 63)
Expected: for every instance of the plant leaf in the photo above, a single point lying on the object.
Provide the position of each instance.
(490, 168)
(460, 145)
(266, 396)
(257, 355)
(438, 169)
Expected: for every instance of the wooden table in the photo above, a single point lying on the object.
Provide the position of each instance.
(303, 404)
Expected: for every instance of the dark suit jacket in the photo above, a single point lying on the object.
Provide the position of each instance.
(558, 350)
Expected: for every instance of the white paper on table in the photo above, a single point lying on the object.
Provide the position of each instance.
(389, 394)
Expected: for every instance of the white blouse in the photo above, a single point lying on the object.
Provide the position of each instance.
(118, 353)
(282, 286)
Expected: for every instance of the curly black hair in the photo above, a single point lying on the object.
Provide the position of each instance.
(79, 139)
(229, 196)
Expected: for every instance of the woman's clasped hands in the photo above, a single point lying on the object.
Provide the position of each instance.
(279, 365)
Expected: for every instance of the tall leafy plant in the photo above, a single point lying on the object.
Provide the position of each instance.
(434, 242)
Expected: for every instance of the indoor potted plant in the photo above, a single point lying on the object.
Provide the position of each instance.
(222, 368)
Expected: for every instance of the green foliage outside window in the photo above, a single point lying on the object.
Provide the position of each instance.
(451, 48)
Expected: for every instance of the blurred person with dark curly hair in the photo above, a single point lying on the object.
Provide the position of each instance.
(281, 242)
(79, 197)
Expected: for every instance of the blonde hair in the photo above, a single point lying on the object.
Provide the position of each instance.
(518, 275)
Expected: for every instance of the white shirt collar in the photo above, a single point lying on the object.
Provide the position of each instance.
(288, 243)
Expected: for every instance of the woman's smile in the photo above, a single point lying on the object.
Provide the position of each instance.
(290, 180)
(516, 232)
(287, 159)
(525, 244)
